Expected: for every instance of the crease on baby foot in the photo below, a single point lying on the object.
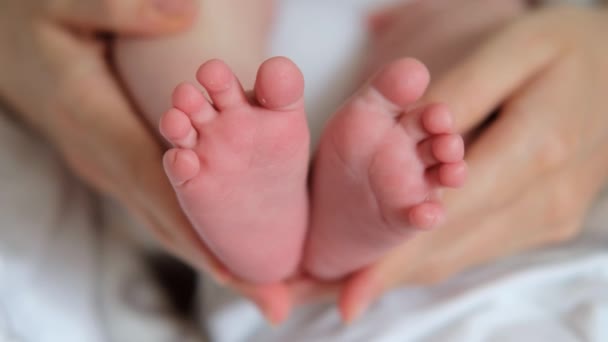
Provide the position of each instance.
(376, 96)
(377, 202)
(341, 158)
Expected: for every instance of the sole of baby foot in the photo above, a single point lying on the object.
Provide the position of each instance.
(239, 166)
(379, 169)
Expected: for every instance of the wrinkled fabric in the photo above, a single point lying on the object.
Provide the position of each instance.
(68, 270)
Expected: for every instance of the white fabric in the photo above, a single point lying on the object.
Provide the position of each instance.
(68, 273)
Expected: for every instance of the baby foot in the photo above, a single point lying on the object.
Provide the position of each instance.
(378, 170)
(239, 166)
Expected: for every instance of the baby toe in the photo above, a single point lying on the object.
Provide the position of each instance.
(452, 175)
(222, 85)
(437, 119)
(279, 84)
(448, 148)
(177, 128)
(181, 165)
(426, 215)
(191, 101)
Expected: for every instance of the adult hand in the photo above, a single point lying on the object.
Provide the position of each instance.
(534, 170)
(54, 72)
(440, 33)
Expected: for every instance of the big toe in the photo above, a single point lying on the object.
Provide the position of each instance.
(279, 84)
(402, 82)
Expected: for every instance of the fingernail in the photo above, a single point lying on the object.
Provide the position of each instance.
(174, 8)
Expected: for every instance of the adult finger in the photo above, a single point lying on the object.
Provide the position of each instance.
(536, 134)
(500, 167)
(551, 211)
(125, 16)
(386, 15)
(482, 81)
(105, 142)
(435, 257)
(504, 166)
(105, 127)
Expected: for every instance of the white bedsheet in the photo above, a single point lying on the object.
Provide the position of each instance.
(68, 273)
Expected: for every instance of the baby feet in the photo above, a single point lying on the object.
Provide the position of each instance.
(378, 172)
(239, 166)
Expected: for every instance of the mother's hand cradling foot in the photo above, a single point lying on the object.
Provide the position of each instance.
(54, 72)
(66, 90)
(535, 169)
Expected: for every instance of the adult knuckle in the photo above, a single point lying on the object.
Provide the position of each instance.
(433, 274)
(560, 205)
(514, 7)
(108, 10)
(54, 7)
(533, 34)
(558, 14)
(76, 86)
(68, 97)
(552, 151)
(114, 10)
(565, 233)
(508, 9)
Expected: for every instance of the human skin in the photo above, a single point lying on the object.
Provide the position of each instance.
(237, 34)
(572, 37)
(541, 162)
(379, 170)
(553, 45)
(66, 91)
(76, 103)
(465, 30)
(239, 166)
(455, 26)
(552, 64)
(245, 242)
(234, 31)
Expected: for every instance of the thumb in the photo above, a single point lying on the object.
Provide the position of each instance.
(478, 85)
(125, 16)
